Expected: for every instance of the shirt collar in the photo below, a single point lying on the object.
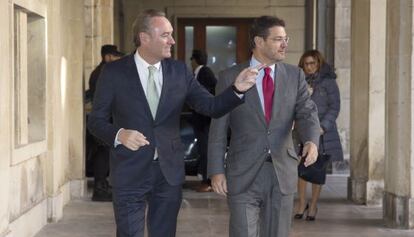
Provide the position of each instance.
(198, 68)
(254, 62)
(143, 63)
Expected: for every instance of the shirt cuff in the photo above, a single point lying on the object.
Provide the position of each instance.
(117, 142)
(239, 95)
(308, 142)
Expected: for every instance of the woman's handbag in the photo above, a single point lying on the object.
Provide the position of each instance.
(315, 173)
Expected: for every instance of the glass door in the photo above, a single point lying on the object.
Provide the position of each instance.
(224, 39)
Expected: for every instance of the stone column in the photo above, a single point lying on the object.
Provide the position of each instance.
(99, 30)
(398, 203)
(107, 21)
(365, 185)
(5, 113)
(74, 93)
(342, 59)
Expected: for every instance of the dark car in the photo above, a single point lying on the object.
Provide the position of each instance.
(191, 155)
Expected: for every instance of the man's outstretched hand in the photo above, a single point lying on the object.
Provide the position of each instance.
(247, 78)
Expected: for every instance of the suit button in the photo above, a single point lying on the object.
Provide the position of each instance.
(268, 132)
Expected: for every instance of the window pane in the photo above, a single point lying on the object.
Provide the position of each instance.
(189, 44)
(221, 47)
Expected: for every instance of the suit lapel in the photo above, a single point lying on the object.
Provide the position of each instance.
(132, 73)
(252, 97)
(280, 78)
(166, 82)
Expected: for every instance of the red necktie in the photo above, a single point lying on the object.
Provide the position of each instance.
(268, 92)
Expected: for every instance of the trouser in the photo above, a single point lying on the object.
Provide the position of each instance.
(262, 210)
(162, 200)
(201, 134)
(101, 163)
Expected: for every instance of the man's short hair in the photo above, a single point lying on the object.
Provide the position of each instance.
(119, 54)
(108, 49)
(261, 26)
(199, 56)
(142, 23)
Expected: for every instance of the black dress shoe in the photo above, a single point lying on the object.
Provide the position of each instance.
(312, 218)
(300, 215)
(102, 196)
(102, 192)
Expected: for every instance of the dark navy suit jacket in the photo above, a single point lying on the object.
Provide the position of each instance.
(119, 94)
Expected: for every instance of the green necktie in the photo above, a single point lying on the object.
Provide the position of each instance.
(152, 94)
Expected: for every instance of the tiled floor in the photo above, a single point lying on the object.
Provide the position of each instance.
(206, 215)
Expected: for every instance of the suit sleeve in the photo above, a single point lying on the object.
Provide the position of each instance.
(306, 114)
(204, 103)
(217, 140)
(99, 119)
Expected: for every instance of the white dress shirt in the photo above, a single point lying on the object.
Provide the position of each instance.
(142, 68)
(259, 78)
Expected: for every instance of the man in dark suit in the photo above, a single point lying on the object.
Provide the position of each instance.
(109, 53)
(260, 175)
(201, 123)
(97, 149)
(144, 93)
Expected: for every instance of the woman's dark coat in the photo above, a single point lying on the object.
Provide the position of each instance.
(327, 98)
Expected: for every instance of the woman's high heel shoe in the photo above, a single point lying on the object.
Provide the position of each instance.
(300, 215)
(312, 218)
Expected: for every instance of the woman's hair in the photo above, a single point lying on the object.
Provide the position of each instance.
(312, 53)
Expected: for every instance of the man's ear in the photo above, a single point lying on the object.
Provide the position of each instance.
(258, 41)
(144, 37)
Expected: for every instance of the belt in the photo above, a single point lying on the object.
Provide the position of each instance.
(268, 158)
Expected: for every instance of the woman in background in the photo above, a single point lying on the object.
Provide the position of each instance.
(324, 91)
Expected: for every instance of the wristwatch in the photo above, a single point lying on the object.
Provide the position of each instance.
(237, 90)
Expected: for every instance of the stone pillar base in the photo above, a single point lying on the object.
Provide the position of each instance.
(398, 212)
(78, 188)
(357, 190)
(369, 192)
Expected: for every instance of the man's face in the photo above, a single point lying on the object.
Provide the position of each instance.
(159, 42)
(194, 64)
(273, 47)
(110, 58)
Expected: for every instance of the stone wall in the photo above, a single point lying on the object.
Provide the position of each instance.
(41, 113)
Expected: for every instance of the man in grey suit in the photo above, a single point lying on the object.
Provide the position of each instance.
(259, 176)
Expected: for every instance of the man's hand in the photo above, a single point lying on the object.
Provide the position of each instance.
(247, 78)
(219, 184)
(309, 153)
(132, 139)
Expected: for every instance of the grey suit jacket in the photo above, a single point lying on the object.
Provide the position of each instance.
(251, 138)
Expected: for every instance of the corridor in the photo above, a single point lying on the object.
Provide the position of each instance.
(206, 215)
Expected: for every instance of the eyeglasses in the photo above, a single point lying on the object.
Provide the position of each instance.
(281, 39)
(311, 63)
